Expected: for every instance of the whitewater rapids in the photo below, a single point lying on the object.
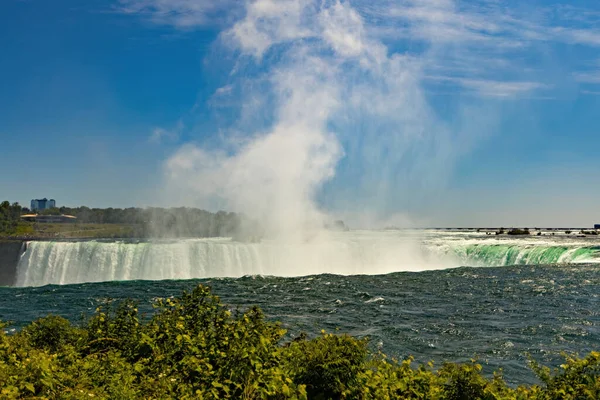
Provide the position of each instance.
(344, 253)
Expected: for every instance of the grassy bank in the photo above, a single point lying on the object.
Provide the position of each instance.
(194, 347)
(149, 222)
(26, 230)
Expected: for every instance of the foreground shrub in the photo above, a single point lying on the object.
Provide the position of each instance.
(328, 366)
(576, 378)
(193, 347)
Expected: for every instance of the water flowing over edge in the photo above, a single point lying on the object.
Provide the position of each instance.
(344, 253)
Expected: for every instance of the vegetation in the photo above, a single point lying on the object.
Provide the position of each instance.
(134, 223)
(517, 231)
(194, 347)
(161, 222)
(77, 230)
(128, 222)
(10, 219)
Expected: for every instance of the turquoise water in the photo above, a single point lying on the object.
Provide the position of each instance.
(516, 254)
(498, 315)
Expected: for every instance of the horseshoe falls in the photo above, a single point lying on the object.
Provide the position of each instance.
(341, 253)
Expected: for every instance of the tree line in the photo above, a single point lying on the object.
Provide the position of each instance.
(144, 222)
(10, 215)
(161, 222)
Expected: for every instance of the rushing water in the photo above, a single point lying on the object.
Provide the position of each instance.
(545, 301)
(347, 253)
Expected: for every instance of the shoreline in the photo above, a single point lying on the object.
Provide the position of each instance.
(576, 232)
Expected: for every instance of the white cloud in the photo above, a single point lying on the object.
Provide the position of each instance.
(493, 88)
(268, 23)
(183, 14)
(343, 30)
(590, 37)
(489, 37)
(588, 77)
(224, 90)
(160, 135)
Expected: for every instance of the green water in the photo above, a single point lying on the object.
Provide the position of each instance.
(518, 254)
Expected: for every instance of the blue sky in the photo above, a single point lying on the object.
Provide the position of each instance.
(438, 112)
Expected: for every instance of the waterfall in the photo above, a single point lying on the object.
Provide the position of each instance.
(366, 252)
(515, 254)
(93, 261)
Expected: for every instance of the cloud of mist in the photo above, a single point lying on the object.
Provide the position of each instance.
(351, 127)
(337, 106)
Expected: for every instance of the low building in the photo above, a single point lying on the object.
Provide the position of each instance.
(49, 218)
(42, 204)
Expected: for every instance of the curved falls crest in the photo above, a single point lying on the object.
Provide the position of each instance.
(345, 254)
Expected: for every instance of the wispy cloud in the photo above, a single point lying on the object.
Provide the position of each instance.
(590, 37)
(184, 14)
(224, 90)
(588, 77)
(484, 45)
(486, 38)
(493, 88)
(160, 135)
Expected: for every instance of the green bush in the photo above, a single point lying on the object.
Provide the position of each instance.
(193, 347)
(328, 366)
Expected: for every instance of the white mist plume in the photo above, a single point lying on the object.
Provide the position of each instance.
(330, 73)
(389, 64)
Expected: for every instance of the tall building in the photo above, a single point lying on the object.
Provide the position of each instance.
(42, 204)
